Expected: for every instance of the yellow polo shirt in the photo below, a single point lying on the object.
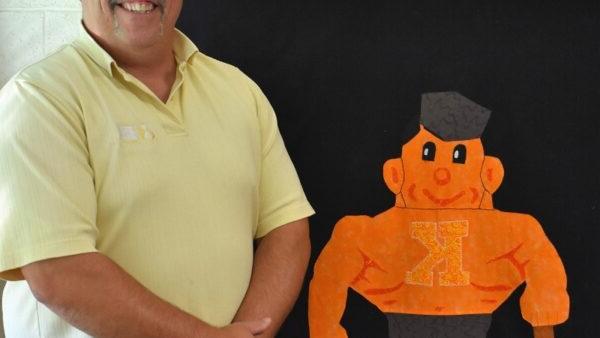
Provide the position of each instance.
(175, 192)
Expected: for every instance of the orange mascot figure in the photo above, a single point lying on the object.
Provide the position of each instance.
(442, 259)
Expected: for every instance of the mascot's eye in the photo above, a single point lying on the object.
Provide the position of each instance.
(428, 151)
(460, 154)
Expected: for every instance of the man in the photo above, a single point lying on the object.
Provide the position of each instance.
(135, 174)
(442, 259)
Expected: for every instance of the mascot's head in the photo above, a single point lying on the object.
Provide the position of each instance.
(444, 166)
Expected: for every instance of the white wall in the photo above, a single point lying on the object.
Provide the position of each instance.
(29, 30)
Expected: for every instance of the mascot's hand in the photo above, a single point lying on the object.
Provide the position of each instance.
(543, 332)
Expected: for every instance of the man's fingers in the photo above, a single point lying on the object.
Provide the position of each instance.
(257, 326)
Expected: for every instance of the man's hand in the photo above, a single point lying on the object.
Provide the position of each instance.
(280, 262)
(247, 329)
(543, 331)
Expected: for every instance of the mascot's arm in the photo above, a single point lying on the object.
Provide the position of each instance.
(543, 332)
(338, 264)
(545, 301)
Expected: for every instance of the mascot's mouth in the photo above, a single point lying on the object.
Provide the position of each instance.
(443, 201)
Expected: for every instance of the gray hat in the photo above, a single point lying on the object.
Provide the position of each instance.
(453, 117)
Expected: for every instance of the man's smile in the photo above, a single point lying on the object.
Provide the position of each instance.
(137, 6)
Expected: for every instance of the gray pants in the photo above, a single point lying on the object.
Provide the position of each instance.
(422, 326)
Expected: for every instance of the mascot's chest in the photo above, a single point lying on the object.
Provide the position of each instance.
(443, 252)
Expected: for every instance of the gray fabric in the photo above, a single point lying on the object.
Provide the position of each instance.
(453, 117)
(421, 326)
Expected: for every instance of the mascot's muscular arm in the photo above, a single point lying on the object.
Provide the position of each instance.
(337, 266)
(546, 283)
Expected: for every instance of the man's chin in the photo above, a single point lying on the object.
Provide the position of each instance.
(137, 39)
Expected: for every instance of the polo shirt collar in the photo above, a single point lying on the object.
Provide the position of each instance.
(183, 49)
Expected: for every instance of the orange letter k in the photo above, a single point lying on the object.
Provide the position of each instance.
(452, 233)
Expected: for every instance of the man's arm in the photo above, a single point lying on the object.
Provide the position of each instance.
(280, 263)
(94, 294)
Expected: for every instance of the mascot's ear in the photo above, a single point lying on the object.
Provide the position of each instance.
(393, 174)
(492, 173)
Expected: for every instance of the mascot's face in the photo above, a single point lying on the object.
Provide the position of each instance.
(436, 174)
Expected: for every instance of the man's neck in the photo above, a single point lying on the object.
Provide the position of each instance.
(154, 66)
(152, 60)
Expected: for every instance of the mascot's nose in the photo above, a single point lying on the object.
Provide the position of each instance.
(441, 176)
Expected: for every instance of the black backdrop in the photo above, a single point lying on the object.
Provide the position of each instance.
(345, 78)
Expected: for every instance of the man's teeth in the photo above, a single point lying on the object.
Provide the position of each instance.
(138, 7)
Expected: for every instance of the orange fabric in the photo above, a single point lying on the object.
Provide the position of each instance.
(442, 250)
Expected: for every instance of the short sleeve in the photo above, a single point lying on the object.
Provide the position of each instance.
(281, 197)
(47, 195)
